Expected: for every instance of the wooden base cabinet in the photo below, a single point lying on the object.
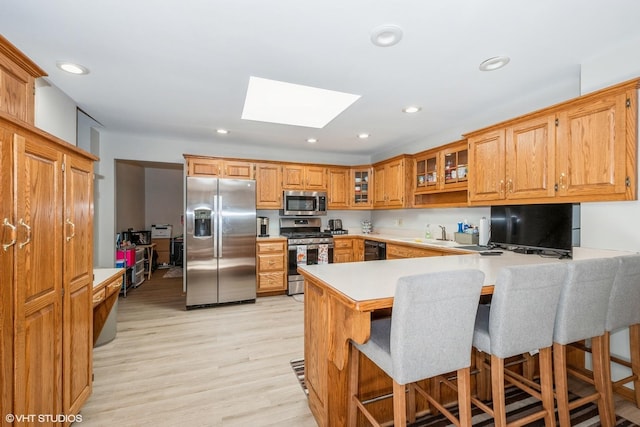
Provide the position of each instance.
(271, 266)
(47, 272)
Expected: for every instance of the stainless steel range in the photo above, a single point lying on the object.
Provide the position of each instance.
(307, 245)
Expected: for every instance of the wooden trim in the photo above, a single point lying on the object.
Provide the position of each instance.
(19, 58)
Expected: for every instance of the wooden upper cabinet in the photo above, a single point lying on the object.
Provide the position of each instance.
(578, 151)
(442, 169)
(17, 82)
(530, 159)
(592, 144)
(487, 160)
(238, 169)
(304, 177)
(220, 168)
(514, 162)
(391, 183)
(201, 166)
(338, 192)
(361, 187)
(268, 186)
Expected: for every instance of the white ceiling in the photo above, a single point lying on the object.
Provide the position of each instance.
(180, 68)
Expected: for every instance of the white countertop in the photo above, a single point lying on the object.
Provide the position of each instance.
(102, 274)
(371, 280)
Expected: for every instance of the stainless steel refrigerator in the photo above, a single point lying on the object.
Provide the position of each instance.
(220, 241)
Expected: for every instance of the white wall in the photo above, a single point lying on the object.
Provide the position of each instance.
(130, 201)
(164, 198)
(612, 225)
(55, 112)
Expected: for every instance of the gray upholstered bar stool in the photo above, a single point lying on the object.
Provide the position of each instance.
(623, 312)
(428, 334)
(520, 319)
(581, 314)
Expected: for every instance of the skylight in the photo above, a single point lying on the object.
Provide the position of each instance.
(292, 104)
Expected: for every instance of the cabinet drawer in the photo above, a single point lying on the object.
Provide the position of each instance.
(139, 255)
(271, 281)
(270, 263)
(99, 296)
(396, 251)
(139, 277)
(114, 287)
(342, 243)
(266, 247)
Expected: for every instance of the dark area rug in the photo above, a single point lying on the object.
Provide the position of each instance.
(519, 404)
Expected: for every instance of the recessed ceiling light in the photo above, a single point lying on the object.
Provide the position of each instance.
(363, 135)
(222, 131)
(72, 68)
(412, 109)
(312, 140)
(494, 63)
(386, 35)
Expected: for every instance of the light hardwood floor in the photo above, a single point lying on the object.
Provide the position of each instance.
(223, 366)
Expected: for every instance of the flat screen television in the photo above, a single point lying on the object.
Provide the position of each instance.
(533, 228)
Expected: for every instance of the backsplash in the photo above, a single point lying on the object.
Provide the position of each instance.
(413, 222)
(401, 222)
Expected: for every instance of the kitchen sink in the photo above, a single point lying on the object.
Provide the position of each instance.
(446, 243)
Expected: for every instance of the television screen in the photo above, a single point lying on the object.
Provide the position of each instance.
(532, 227)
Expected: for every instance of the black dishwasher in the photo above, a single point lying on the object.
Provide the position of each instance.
(374, 250)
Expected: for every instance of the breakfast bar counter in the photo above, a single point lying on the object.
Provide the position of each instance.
(340, 301)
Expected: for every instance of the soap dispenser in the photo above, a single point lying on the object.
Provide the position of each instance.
(427, 234)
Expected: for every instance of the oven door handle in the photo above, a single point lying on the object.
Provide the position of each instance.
(312, 246)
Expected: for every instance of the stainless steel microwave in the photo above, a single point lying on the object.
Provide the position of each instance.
(307, 203)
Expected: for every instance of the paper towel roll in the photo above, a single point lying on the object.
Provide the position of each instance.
(484, 232)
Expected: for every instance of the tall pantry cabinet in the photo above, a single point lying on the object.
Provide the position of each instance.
(46, 268)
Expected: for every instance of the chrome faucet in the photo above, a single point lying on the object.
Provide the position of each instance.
(444, 232)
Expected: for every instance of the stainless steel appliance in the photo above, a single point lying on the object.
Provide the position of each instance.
(374, 250)
(220, 241)
(304, 203)
(306, 245)
(335, 224)
(262, 226)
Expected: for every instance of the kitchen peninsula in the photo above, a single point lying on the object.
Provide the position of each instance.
(340, 301)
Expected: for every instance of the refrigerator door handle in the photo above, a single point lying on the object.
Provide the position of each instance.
(215, 226)
(219, 215)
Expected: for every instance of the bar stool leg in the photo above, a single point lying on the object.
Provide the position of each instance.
(546, 385)
(399, 405)
(634, 341)
(602, 381)
(562, 388)
(497, 388)
(411, 402)
(464, 396)
(483, 386)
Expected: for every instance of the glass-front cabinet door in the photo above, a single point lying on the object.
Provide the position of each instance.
(361, 187)
(455, 167)
(442, 169)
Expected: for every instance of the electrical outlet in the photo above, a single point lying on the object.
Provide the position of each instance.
(398, 222)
